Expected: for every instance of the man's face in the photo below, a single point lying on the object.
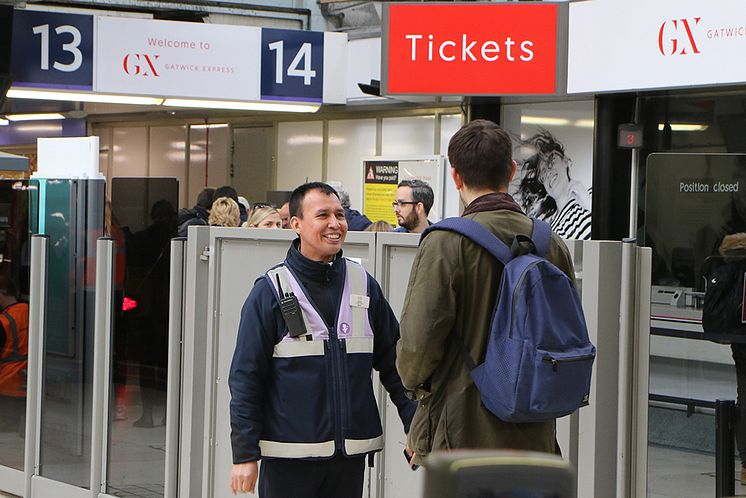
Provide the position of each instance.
(285, 215)
(405, 208)
(322, 228)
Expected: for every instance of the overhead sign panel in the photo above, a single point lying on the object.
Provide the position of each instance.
(292, 65)
(636, 44)
(469, 49)
(177, 59)
(52, 50)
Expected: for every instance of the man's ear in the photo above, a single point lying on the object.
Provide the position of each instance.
(513, 169)
(295, 224)
(457, 179)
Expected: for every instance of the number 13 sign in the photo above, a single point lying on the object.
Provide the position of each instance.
(52, 50)
(292, 65)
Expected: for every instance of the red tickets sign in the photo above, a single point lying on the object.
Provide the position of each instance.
(470, 49)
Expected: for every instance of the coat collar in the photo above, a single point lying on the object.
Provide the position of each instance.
(313, 270)
(492, 202)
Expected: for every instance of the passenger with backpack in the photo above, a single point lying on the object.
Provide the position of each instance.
(493, 340)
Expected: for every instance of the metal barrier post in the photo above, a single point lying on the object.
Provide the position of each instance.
(725, 482)
(36, 331)
(102, 362)
(173, 399)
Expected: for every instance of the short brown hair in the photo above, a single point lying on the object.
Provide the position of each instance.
(482, 154)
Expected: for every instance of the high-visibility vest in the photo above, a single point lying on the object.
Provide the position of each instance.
(14, 353)
(354, 334)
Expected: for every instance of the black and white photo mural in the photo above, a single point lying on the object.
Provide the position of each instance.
(553, 147)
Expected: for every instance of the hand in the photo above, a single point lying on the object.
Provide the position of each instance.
(243, 477)
(409, 453)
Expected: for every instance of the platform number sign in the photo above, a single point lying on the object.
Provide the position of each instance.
(52, 50)
(292, 65)
(629, 136)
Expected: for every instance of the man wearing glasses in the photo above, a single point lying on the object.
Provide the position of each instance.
(414, 198)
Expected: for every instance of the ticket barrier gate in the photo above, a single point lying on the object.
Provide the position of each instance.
(221, 265)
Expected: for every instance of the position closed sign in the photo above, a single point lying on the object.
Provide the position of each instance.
(470, 49)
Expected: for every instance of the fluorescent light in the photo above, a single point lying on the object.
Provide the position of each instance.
(305, 140)
(101, 98)
(4, 122)
(241, 106)
(39, 128)
(684, 126)
(543, 120)
(34, 117)
(209, 125)
(584, 123)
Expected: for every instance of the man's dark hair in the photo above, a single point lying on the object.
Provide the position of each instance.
(296, 198)
(225, 191)
(481, 152)
(421, 192)
(205, 198)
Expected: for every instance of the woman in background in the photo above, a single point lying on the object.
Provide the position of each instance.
(224, 213)
(379, 226)
(264, 217)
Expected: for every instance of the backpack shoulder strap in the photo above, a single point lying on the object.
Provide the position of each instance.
(541, 236)
(476, 233)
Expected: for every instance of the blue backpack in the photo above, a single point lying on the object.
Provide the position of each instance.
(539, 357)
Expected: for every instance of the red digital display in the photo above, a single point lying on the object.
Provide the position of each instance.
(630, 136)
(471, 49)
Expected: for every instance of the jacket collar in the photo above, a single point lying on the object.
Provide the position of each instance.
(492, 202)
(307, 269)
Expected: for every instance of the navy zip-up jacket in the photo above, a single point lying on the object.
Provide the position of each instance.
(309, 400)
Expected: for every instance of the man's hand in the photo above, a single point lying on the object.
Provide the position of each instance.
(243, 477)
(409, 455)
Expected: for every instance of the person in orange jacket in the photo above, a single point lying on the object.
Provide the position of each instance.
(13, 353)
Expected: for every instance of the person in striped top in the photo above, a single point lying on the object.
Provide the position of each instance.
(565, 203)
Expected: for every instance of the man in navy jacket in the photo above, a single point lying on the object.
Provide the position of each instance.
(302, 395)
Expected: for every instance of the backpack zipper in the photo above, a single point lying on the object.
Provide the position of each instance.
(556, 361)
(515, 291)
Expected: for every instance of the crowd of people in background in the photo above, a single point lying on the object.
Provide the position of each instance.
(225, 208)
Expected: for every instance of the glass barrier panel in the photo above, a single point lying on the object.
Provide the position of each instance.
(142, 221)
(15, 242)
(71, 213)
(695, 209)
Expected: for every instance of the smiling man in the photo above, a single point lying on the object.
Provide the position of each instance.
(310, 331)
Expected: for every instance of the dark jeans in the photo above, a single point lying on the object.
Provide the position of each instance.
(338, 477)
(739, 357)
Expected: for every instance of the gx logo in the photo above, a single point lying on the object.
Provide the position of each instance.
(681, 37)
(140, 65)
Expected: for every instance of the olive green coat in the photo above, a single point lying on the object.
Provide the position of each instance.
(452, 290)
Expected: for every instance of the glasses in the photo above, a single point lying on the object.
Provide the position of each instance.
(262, 205)
(399, 204)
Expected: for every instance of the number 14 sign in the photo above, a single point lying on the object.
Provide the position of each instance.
(292, 65)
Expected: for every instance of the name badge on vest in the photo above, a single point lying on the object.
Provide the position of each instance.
(358, 301)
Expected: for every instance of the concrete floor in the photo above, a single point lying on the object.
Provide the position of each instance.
(683, 474)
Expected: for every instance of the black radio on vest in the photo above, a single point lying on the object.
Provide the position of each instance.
(290, 309)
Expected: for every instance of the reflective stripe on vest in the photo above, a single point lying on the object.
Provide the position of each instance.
(296, 450)
(352, 323)
(279, 449)
(359, 446)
